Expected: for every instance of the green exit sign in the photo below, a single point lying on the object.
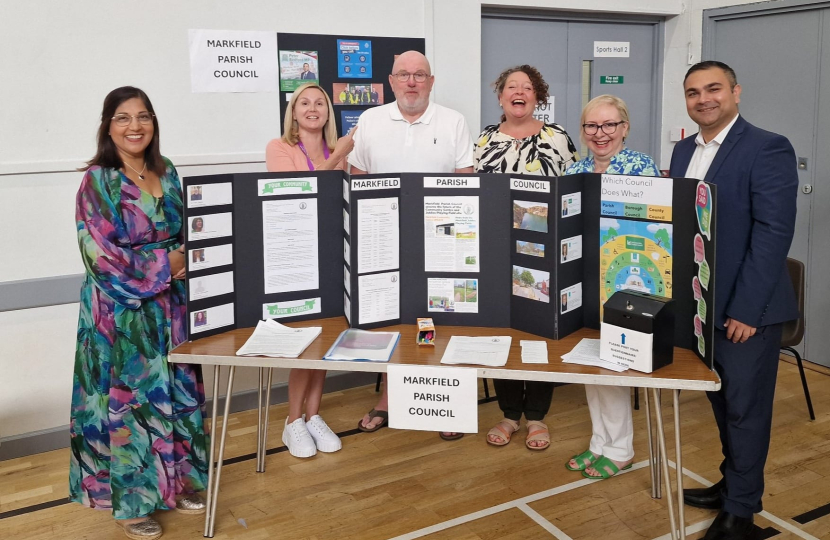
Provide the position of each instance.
(610, 79)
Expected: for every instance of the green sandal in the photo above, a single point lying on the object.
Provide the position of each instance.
(603, 465)
(585, 459)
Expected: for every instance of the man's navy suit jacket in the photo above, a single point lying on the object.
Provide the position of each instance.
(757, 184)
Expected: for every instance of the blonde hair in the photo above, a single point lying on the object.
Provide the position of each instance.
(605, 99)
(290, 127)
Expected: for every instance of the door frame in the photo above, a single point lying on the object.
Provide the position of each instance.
(658, 29)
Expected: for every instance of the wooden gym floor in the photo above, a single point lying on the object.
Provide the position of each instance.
(408, 484)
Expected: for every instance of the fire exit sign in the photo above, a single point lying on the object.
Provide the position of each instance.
(610, 79)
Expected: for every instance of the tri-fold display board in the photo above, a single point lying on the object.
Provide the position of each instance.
(496, 250)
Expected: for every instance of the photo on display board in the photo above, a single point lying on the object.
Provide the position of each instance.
(530, 248)
(298, 68)
(357, 93)
(530, 216)
(531, 284)
(195, 193)
(354, 59)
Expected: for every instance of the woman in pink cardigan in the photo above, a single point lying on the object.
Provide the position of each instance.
(309, 141)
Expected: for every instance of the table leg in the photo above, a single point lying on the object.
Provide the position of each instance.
(658, 462)
(259, 451)
(652, 458)
(215, 408)
(679, 462)
(221, 452)
(267, 416)
(661, 437)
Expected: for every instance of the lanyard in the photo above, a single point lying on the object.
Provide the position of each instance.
(307, 158)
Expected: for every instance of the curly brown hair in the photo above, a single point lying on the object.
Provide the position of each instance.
(540, 87)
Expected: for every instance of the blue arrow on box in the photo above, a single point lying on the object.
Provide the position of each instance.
(623, 338)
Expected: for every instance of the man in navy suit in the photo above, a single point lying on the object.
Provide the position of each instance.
(307, 73)
(756, 177)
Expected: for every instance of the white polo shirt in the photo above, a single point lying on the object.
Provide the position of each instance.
(439, 141)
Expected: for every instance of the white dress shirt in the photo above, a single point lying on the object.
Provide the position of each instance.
(705, 152)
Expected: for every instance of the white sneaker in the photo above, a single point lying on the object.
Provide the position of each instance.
(298, 440)
(325, 439)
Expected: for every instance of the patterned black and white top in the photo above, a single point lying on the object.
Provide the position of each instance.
(548, 153)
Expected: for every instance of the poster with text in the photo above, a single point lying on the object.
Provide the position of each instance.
(451, 234)
(354, 59)
(298, 68)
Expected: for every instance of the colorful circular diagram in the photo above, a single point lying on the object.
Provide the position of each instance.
(635, 263)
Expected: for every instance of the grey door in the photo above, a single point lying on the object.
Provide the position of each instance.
(783, 91)
(563, 50)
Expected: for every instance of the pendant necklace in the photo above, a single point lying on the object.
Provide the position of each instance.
(140, 174)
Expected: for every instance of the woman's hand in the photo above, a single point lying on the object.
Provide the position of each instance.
(345, 144)
(177, 263)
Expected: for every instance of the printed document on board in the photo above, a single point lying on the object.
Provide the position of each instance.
(289, 238)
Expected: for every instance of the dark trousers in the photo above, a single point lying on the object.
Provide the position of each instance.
(743, 411)
(529, 397)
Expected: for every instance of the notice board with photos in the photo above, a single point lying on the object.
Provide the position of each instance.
(536, 254)
(354, 70)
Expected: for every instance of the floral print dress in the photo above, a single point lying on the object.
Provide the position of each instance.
(625, 161)
(547, 153)
(137, 436)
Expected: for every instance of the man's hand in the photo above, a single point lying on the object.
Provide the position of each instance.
(738, 331)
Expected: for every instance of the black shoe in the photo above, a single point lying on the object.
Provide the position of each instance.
(708, 498)
(730, 527)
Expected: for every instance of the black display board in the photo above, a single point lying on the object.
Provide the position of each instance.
(384, 50)
(571, 208)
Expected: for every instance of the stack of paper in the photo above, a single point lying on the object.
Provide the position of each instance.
(353, 344)
(276, 340)
(534, 352)
(586, 353)
(486, 351)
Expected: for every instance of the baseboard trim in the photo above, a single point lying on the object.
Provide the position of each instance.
(47, 440)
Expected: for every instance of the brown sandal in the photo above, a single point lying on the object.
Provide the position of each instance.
(503, 433)
(537, 431)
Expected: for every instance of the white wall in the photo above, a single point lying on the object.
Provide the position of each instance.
(58, 60)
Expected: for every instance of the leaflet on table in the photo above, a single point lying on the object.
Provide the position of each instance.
(211, 318)
(378, 236)
(362, 345)
(210, 226)
(586, 353)
(211, 285)
(275, 340)
(534, 352)
(200, 195)
(485, 351)
(289, 238)
(209, 257)
(451, 234)
(378, 297)
(457, 295)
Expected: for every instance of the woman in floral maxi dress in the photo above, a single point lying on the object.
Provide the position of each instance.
(137, 436)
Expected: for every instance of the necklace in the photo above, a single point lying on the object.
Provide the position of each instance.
(140, 174)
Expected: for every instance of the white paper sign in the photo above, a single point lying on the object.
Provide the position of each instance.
(211, 318)
(363, 184)
(433, 399)
(379, 297)
(612, 49)
(233, 61)
(572, 204)
(210, 257)
(626, 347)
(210, 285)
(570, 298)
(544, 112)
(451, 182)
(209, 195)
(570, 249)
(210, 226)
(522, 184)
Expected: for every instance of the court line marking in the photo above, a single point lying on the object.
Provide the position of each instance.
(544, 523)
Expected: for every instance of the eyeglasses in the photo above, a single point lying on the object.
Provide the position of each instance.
(124, 120)
(608, 128)
(404, 76)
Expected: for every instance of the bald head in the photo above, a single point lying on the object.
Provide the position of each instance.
(411, 59)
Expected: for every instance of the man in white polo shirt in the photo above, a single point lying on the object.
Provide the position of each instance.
(410, 135)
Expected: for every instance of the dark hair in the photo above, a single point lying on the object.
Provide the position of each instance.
(709, 64)
(107, 153)
(540, 87)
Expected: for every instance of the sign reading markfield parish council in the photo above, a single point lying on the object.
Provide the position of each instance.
(433, 398)
(233, 61)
